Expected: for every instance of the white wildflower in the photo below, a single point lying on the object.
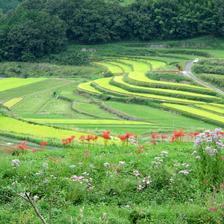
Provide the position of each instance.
(121, 163)
(184, 172)
(15, 163)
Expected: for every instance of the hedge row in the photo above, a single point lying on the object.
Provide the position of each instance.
(169, 77)
(216, 69)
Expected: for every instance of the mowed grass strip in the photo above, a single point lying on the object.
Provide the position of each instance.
(104, 85)
(197, 113)
(118, 81)
(10, 83)
(12, 102)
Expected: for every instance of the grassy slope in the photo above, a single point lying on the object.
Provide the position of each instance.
(114, 195)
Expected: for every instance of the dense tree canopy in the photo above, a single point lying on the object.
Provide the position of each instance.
(39, 27)
(37, 35)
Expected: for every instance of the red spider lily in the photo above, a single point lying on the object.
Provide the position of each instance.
(88, 138)
(22, 146)
(106, 135)
(164, 136)
(177, 135)
(123, 138)
(65, 142)
(129, 135)
(155, 135)
(193, 134)
(94, 137)
(221, 133)
(68, 140)
(82, 138)
(154, 138)
(43, 144)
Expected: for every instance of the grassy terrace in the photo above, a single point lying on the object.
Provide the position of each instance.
(105, 86)
(86, 87)
(118, 81)
(136, 84)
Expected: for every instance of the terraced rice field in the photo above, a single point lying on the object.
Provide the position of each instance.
(105, 86)
(135, 84)
(118, 81)
(167, 102)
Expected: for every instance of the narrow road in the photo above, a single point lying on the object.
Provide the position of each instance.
(188, 73)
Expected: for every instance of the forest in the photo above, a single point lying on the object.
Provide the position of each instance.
(36, 28)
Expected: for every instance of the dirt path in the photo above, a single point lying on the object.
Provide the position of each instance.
(188, 73)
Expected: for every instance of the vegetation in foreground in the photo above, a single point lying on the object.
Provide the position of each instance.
(172, 183)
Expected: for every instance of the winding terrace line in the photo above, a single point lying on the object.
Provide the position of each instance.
(188, 73)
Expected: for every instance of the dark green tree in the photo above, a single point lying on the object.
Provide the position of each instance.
(39, 34)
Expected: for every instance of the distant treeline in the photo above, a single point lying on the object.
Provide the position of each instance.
(39, 27)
